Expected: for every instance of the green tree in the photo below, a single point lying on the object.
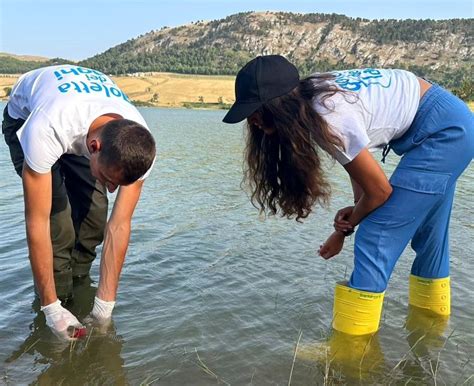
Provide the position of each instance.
(155, 98)
(466, 90)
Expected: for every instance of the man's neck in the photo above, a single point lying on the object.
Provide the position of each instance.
(102, 120)
(97, 125)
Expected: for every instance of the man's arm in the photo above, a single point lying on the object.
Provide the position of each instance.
(117, 236)
(37, 194)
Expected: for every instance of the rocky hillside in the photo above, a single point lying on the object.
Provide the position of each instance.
(312, 41)
(441, 50)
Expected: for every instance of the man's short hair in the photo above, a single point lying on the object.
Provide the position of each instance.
(127, 146)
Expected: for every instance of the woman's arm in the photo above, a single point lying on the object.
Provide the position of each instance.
(356, 191)
(340, 220)
(370, 185)
(371, 189)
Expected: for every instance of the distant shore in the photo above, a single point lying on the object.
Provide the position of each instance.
(162, 89)
(165, 89)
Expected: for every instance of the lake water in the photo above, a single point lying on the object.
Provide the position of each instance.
(212, 293)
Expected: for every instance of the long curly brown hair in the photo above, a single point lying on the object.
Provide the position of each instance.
(283, 170)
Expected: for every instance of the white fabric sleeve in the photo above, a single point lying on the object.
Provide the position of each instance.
(348, 122)
(40, 142)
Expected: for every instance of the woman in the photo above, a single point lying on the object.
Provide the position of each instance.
(349, 114)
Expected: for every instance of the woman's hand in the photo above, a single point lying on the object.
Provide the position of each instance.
(341, 222)
(332, 246)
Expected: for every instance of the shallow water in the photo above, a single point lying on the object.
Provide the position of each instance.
(212, 293)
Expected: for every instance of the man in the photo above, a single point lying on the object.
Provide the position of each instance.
(73, 135)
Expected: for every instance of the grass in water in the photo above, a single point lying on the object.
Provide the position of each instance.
(207, 370)
(294, 357)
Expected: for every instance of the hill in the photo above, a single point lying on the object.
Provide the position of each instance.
(442, 50)
(17, 64)
(27, 58)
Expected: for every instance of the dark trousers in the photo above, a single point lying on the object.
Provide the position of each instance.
(78, 212)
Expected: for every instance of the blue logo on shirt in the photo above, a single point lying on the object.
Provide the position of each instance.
(86, 80)
(354, 80)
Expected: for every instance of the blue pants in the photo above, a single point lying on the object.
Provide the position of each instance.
(435, 150)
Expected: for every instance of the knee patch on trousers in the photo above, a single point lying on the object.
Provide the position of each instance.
(431, 294)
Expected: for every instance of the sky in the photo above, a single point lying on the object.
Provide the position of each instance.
(83, 28)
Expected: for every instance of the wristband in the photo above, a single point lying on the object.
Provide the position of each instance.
(348, 232)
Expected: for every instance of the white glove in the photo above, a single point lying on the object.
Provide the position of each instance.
(102, 310)
(63, 324)
(100, 317)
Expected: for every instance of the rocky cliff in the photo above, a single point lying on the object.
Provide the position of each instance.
(309, 40)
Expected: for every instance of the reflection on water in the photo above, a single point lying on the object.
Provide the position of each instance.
(212, 293)
(354, 358)
(427, 337)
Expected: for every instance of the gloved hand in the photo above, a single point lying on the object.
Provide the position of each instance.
(63, 324)
(101, 314)
(102, 310)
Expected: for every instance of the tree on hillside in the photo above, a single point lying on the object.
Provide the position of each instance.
(466, 90)
(155, 98)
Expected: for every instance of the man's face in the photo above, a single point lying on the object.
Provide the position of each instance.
(109, 176)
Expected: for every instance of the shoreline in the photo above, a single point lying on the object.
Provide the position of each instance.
(169, 90)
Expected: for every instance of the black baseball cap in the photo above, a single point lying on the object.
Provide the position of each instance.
(261, 79)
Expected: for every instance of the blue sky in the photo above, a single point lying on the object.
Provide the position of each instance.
(80, 29)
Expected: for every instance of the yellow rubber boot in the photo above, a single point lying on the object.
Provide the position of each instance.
(352, 349)
(431, 294)
(356, 312)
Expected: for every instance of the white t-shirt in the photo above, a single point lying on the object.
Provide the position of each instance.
(58, 104)
(379, 106)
